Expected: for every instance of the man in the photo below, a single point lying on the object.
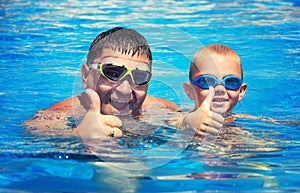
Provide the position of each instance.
(115, 77)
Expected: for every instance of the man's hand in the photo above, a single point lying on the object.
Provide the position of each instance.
(203, 120)
(95, 124)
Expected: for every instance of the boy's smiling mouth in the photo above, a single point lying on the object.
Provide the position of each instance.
(219, 100)
(219, 104)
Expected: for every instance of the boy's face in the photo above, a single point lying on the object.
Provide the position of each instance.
(224, 100)
(121, 97)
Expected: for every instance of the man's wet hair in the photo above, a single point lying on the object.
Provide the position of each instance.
(120, 39)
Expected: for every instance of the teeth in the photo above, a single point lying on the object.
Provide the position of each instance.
(120, 101)
(219, 100)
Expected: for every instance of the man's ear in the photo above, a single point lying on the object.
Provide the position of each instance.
(243, 90)
(189, 90)
(84, 75)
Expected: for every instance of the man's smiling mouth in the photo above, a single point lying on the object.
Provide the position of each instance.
(119, 104)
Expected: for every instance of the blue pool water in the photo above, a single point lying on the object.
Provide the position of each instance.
(43, 44)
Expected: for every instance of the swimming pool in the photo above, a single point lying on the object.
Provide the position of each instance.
(43, 44)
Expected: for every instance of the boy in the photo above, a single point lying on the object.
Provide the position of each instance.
(216, 86)
(115, 77)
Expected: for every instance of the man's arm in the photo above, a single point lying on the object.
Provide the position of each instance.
(95, 124)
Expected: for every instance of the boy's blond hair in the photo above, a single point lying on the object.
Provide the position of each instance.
(218, 49)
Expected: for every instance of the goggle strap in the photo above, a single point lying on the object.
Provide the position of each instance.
(94, 66)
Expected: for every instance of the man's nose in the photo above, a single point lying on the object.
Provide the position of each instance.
(124, 88)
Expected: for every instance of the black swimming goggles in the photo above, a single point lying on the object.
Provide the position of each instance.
(206, 80)
(117, 72)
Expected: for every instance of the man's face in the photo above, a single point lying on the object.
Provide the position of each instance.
(224, 100)
(121, 97)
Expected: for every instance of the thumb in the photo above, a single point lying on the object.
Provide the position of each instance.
(94, 100)
(209, 98)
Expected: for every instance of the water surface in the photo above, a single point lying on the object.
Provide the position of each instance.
(44, 43)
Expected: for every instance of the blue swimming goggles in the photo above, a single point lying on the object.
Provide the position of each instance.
(206, 80)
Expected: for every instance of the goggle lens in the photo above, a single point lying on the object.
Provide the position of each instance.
(141, 77)
(113, 72)
(232, 83)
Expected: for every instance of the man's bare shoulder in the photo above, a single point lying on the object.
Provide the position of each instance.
(154, 101)
(59, 117)
(67, 103)
(49, 120)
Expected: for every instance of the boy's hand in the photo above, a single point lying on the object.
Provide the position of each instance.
(95, 124)
(204, 120)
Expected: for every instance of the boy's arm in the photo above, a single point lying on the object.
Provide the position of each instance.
(203, 120)
(267, 119)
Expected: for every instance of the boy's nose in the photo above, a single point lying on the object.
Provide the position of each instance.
(220, 90)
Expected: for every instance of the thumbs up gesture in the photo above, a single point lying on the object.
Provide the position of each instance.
(95, 124)
(203, 120)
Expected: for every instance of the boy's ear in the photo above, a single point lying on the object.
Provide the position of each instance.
(243, 90)
(189, 90)
(84, 75)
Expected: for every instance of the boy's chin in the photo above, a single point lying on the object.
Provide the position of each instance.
(220, 110)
